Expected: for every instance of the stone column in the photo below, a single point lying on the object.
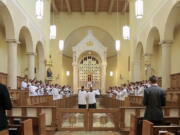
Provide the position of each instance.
(148, 68)
(118, 69)
(31, 65)
(166, 63)
(75, 77)
(41, 72)
(12, 63)
(137, 70)
(103, 77)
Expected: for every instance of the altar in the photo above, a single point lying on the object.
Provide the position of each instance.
(89, 63)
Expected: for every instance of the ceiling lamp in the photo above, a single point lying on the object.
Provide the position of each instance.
(126, 32)
(118, 45)
(39, 9)
(139, 9)
(53, 32)
(61, 45)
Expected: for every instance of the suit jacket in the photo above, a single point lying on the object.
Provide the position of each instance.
(154, 99)
(5, 104)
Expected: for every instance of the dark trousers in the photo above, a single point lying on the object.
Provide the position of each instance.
(92, 106)
(3, 120)
(157, 122)
(82, 106)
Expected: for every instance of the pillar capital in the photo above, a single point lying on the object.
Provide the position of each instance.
(74, 64)
(31, 53)
(148, 55)
(12, 41)
(166, 43)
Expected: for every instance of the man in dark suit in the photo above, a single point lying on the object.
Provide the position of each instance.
(154, 99)
(5, 104)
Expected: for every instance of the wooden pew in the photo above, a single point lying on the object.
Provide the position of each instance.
(24, 128)
(150, 129)
(135, 120)
(4, 132)
(168, 133)
(133, 127)
(39, 127)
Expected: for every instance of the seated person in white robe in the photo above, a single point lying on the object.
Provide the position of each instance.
(24, 84)
(55, 92)
(141, 91)
(33, 90)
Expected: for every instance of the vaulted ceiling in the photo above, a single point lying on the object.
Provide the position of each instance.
(96, 6)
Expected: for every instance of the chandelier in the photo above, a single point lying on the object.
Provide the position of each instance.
(139, 10)
(39, 9)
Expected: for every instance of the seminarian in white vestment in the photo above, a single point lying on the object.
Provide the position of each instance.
(55, 93)
(82, 97)
(91, 96)
(33, 90)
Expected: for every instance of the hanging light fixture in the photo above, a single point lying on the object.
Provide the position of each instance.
(118, 45)
(126, 32)
(39, 9)
(117, 42)
(53, 31)
(139, 9)
(61, 45)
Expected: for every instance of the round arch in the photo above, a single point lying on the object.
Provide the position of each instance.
(7, 21)
(78, 34)
(153, 38)
(172, 22)
(26, 38)
(84, 27)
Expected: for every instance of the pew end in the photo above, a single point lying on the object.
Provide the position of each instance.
(4, 132)
(147, 128)
(27, 128)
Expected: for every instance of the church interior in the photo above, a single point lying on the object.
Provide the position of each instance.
(49, 49)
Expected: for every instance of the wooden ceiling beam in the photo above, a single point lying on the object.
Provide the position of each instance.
(54, 7)
(68, 6)
(97, 6)
(111, 6)
(82, 6)
(124, 9)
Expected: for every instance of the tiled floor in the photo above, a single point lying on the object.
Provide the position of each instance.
(88, 133)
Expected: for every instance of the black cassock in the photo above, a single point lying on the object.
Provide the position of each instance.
(5, 104)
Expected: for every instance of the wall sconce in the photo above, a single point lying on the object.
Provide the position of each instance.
(67, 73)
(111, 73)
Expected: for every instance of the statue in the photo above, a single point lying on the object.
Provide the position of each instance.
(49, 73)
